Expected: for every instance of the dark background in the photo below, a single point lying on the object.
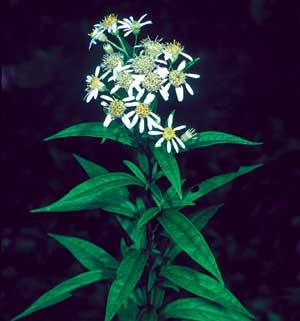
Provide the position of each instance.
(249, 86)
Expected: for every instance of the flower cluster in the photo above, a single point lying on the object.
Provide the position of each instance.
(131, 79)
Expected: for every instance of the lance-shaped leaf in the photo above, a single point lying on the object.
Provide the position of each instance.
(143, 163)
(88, 195)
(169, 166)
(203, 286)
(128, 312)
(88, 254)
(217, 181)
(64, 289)
(209, 138)
(136, 171)
(199, 219)
(197, 309)
(147, 216)
(128, 275)
(97, 130)
(190, 240)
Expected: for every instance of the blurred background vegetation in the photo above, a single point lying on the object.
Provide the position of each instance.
(249, 86)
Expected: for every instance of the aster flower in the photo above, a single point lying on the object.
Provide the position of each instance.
(113, 63)
(115, 108)
(143, 113)
(126, 80)
(177, 78)
(173, 49)
(94, 85)
(169, 135)
(133, 26)
(152, 48)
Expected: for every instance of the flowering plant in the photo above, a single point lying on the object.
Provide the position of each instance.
(129, 83)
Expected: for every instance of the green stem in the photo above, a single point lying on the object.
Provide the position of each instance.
(136, 35)
(122, 45)
(114, 45)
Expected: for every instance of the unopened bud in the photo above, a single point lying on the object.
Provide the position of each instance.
(187, 135)
(108, 48)
(102, 37)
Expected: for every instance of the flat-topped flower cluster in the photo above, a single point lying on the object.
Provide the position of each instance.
(130, 79)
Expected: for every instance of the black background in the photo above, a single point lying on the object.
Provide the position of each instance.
(249, 86)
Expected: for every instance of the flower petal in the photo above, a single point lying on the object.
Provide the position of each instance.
(131, 113)
(181, 65)
(170, 120)
(186, 56)
(140, 94)
(107, 120)
(159, 142)
(175, 145)
(97, 71)
(189, 88)
(115, 89)
(142, 125)
(134, 120)
(126, 121)
(142, 17)
(149, 98)
(179, 93)
(169, 146)
(155, 132)
(107, 97)
(193, 75)
(180, 142)
(179, 127)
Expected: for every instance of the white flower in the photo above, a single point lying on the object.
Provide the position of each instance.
(133, 26)
(115, 108)
(173, 49)
(169, 135)
(108, 23)
(142, 113)
(94, 85)
(177, 78)
(126, 80)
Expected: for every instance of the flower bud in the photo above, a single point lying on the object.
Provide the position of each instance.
(108, 48)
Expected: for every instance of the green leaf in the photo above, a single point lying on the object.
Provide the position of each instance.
(191, 63)
(136, 171)
(128, 275)
(203, 286)
(64, 289)
(139, 237)
(169, 166)
(199, 219)
(147, 216)
(151, 279)
(190, 240)
(143, 163)
(217, 181)
(198, 310)
(157, 296)
(129, 313)
(148, 315)
(89, 194)
(209, 138)
(97, 130)
(88, 254)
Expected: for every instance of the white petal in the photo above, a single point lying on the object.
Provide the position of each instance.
(126, 121)
(140, 94)
(142, 125)
(175, 145)
(193, 75)
(146, 23)
(107, 120)
(162, 72)
(179, 93)
(169, 146)
(142, 17)
(155, 132)
(97, 71)
(161, 61)
(129, 98)
(134, 120)
(189, 88)
(159, 142)
(149, 98)
(105, 74)
(89, 97)
(167, 87)
(127, 20)
(133, 104)
(170, 120)
(150, 122)
(106, 97)
(186, 56)
(104, 103)
(164, 93)
(155, 116)
(131, 113)
(181, 65)
(179, 127)
(115, 89)
(127, 33)
(180, 142)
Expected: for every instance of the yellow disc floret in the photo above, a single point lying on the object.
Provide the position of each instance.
(174, 47)
(142, 110)
(143, 64)
(124, 79)
(152, 47)
(94, 82)
(112, 60)
(109, 20)
(152, 82)
(116, 108)
(177, 78)
(169, 133)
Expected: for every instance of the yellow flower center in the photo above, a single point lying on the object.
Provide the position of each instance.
(116, 108)
(143, 64)
(174, 47)
(152, 48)
(94, 83)
(152, 82)
(169, 133)
(109, 20)
(142, 110)
(177, 78)
(124, 80)
(112, 61)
